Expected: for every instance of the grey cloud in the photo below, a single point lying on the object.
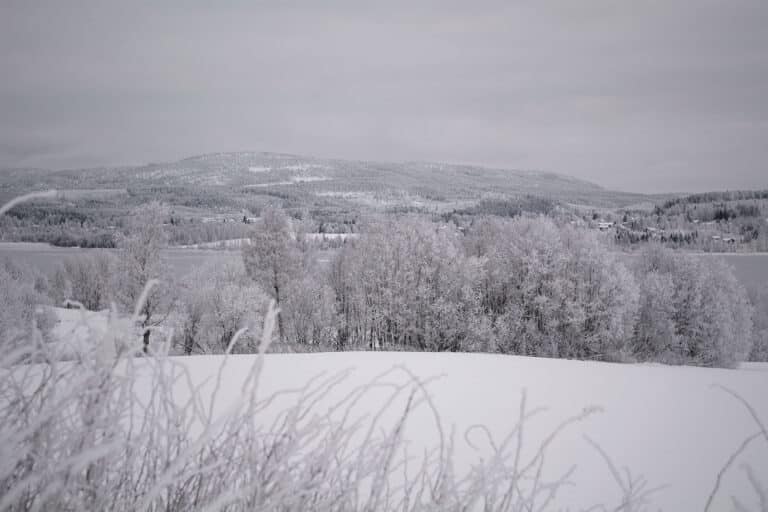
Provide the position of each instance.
(651, 96)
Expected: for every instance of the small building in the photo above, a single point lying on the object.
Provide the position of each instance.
(603, 225)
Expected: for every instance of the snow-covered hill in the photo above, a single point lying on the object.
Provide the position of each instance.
(365, 181)
(666, 423)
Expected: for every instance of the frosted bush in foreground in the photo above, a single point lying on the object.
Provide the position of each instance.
(760, 488)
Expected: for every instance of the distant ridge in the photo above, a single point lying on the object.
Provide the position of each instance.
(360, 180)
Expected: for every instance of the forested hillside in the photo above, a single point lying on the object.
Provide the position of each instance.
(336, 195)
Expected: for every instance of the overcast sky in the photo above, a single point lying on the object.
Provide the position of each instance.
(638, 95)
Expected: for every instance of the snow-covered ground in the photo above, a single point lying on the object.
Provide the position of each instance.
(669, 424)
(666, 423)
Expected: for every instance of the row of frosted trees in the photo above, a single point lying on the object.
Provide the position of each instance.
(521, 286)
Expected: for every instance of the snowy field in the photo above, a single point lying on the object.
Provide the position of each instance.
(667, 424)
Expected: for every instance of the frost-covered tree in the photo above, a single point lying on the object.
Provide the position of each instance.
(759, 300)
(273, 258)
(59, 287)
(309, 311)
(693, 310)
(655, 337)
(139, 261)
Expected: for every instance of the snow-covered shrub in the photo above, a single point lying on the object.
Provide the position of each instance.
(87, 279)
(23, 308)
(215, 301)
(693, 310)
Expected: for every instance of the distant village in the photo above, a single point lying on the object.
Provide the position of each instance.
(629, 233)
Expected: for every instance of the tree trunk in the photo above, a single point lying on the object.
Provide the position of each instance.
(279, 313)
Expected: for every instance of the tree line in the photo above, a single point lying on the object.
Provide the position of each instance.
(523, 285)
(520, 286)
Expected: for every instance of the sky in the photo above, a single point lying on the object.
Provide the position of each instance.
(635, 95)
